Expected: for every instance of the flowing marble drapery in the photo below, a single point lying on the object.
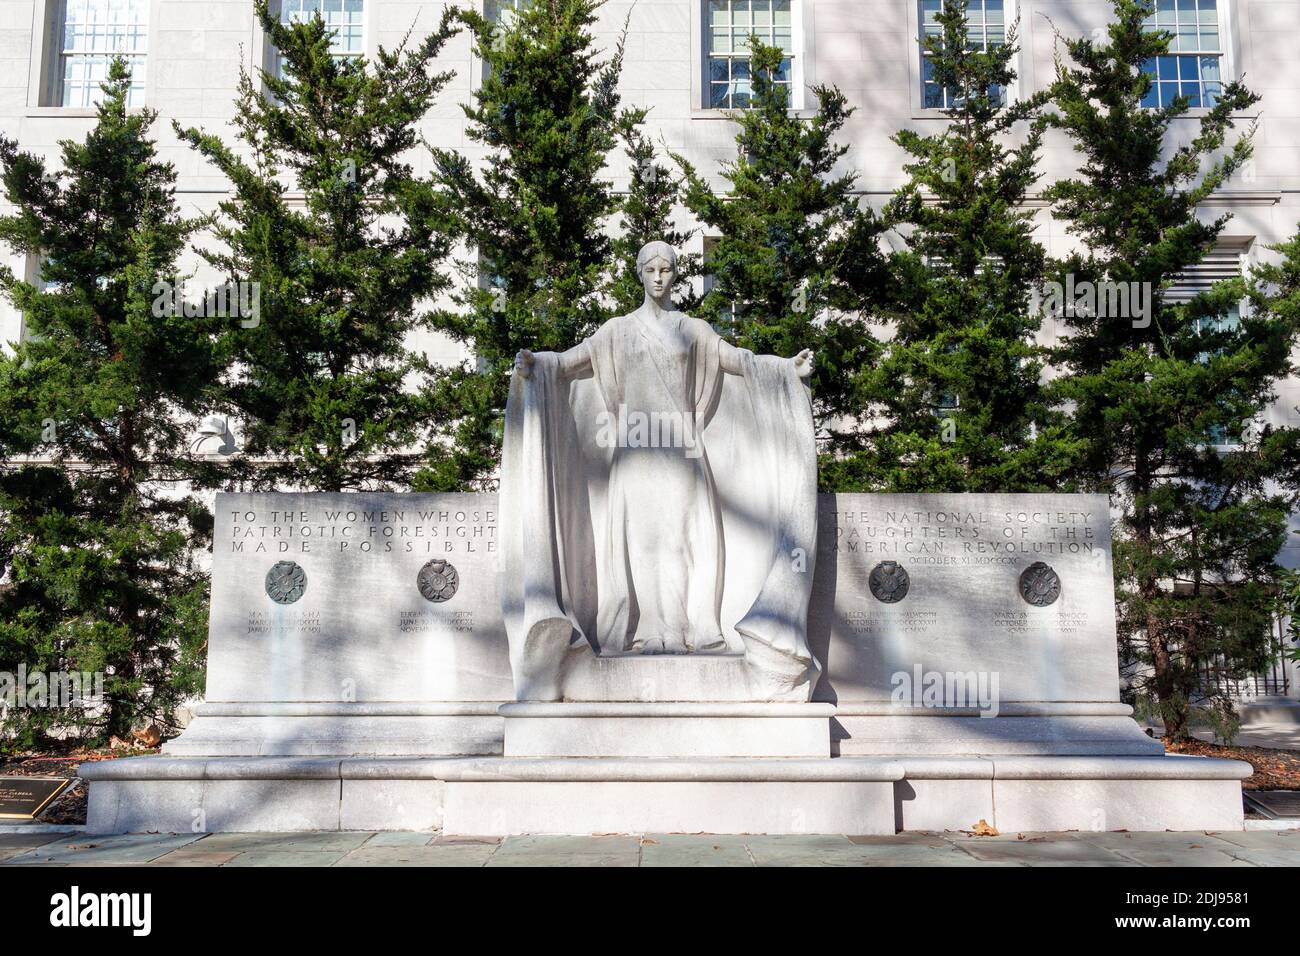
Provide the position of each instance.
(704, 545)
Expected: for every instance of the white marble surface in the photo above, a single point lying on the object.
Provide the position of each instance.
(963, 613)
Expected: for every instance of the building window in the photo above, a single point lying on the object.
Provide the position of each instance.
(1194, 66)
(1225, 261)
(93, 33)
(730, 25)
(986, 29)
(344, 18)
(503, 11)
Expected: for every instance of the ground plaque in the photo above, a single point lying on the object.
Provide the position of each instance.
(26, 798)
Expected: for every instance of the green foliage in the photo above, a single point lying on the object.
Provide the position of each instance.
(957, 391)
(796, 253)
(1199, 526)
(96, 546)
(647, 216)
(317, 380)
(547, 113)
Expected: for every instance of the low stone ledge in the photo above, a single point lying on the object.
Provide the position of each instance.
(571, 769)
(212, 768)
(857, 708)
(1171, 767)
(665, 709)
(1168, 767)
(469, 708)
(945, 768)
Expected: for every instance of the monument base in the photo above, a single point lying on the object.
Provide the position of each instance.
(667, 730)
(265, 729)
(496, 796)
(1045, 728)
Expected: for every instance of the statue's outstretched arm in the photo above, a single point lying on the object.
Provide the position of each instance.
(574, 361)
(731, 359)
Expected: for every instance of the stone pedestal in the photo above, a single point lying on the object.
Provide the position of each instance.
(504, 795)
(379, 697)
(667, 730)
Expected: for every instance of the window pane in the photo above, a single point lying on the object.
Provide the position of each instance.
(731, 24)
(93, 31)
(346, 19)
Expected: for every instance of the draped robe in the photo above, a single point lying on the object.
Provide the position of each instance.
(700, 545)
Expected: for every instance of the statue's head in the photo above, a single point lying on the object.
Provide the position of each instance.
(656, 264)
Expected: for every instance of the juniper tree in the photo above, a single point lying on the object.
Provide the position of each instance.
(654, 192)
(957, 393)
(1163, 402)
(796, 253)
(324, 382)
(96, 549)
(533, 213)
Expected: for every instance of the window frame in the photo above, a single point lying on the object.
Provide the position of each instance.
(45, 74)
(803, 57)
(1023, 61)
(269, 57)
(1227, 51)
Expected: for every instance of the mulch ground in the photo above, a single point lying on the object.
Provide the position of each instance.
(70, 807)
(1274, 769)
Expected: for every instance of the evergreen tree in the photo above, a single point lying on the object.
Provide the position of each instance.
(97, 551)
(534, 215)
(957, 391)
(796, 253)
(323, 380)
(1163, 401)
(654, 191)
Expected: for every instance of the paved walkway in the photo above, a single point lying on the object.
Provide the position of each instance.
(1250, 848)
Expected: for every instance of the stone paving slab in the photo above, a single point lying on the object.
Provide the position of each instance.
(351, 849)
(276, 857)
(112, 850)
(1166, 849)
(399, 839)
(841, 851)
(1040, 850)
(568, 851)
(461, 854)
(1261, 839)
(341, 842)
(678, 849)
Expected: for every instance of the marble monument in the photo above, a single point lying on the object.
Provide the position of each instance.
(659, 625)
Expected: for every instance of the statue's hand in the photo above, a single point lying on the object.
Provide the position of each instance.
(524, 363)
(803, 363)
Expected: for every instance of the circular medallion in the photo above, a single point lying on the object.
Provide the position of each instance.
(889, 582)
(1039, 584)
(438, 580)
(286, 582)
